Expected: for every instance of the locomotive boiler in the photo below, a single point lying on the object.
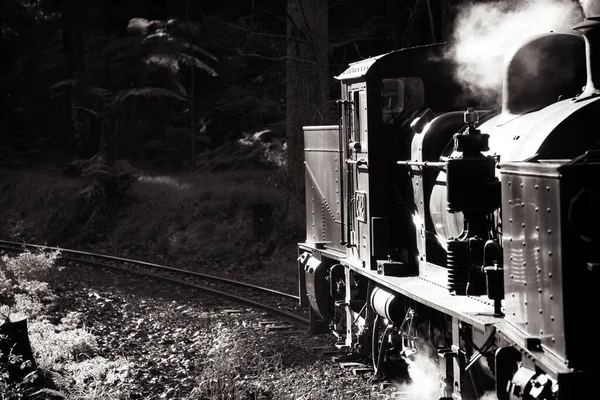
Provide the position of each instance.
(442, 227)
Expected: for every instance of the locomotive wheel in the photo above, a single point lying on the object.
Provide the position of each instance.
(380, 345)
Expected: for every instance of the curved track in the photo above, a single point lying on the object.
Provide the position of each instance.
(178, 276)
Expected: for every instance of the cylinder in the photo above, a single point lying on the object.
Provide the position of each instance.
(387, 305)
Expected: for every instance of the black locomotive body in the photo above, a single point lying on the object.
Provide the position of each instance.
(464, 233)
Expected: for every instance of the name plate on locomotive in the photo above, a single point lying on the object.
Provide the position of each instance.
(361, 206)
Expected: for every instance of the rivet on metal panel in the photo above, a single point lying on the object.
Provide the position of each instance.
(537, 228)
(510, 202)
(511, 257)
(525, 284)
(536, 187)
(513, 313)
(312, 187)
(537, 209)
(522, 204)
(551, 318)
(510, 240)
(513, 295)
(526, 303)
(550, 253)
(538, 271)
(553, 340)
(548, 188)
(540, 311)
(523, 224)
(541, 332)
(551, 297)
(526, 323)
(539, 290)
(524, 243)
(512, 277)
(509, 183)
(538, 249)
(548, 209)
(524, 263)
(549, 232)
(510, 220)
(550, 275)
(521, 185)
(313, 213)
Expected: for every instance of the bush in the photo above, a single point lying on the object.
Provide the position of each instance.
(33, 266)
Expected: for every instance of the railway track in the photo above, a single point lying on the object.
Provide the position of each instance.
(279, 304)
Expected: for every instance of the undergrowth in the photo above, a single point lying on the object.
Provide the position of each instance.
(238, 221)
(65, 354)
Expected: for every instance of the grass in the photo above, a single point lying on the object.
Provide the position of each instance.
(66, 353)
(241, 221)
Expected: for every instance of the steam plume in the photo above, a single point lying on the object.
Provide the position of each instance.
(486, 33)
(591, 8)
(425, 381)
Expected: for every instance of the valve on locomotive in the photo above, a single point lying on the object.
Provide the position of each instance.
(473, 190)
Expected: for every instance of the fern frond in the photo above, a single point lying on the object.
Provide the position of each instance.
(73, 82)
(67, 82)
(196, 62)
(88, 110)
(150, 92)
(200, 50)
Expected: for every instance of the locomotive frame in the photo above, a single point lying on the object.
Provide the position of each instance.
(466, 236)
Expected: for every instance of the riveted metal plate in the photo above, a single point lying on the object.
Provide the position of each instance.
(323, 190)
(532, 246)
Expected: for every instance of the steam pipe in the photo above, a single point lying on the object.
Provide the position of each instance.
(590, 30)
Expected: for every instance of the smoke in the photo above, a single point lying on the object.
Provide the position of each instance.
(489, 396)
(591, 8)
(424, 380)
(486, 34)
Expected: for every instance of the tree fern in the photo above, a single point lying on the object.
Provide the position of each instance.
(73, 82)
(149, 92)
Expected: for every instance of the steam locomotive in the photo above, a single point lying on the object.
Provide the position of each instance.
(437, 226)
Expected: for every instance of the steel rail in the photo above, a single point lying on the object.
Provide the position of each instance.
(280, 313)
(294, 318)
(157, 266)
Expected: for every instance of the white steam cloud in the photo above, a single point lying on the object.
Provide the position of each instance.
(591, 8)
(424, 381)
(486, 33)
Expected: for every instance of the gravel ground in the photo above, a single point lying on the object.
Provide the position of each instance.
(183, 344)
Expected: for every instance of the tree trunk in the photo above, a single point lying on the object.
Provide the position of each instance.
(307, 79)
(191, 94)
(72, 35)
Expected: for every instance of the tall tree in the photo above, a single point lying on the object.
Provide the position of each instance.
(307, 77)
(72, 34)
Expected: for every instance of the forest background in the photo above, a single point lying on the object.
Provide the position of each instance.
(160, 82)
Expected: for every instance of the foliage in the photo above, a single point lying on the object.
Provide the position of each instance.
(232, 361)
(65, 353)
(133, 49)
(40, 266)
